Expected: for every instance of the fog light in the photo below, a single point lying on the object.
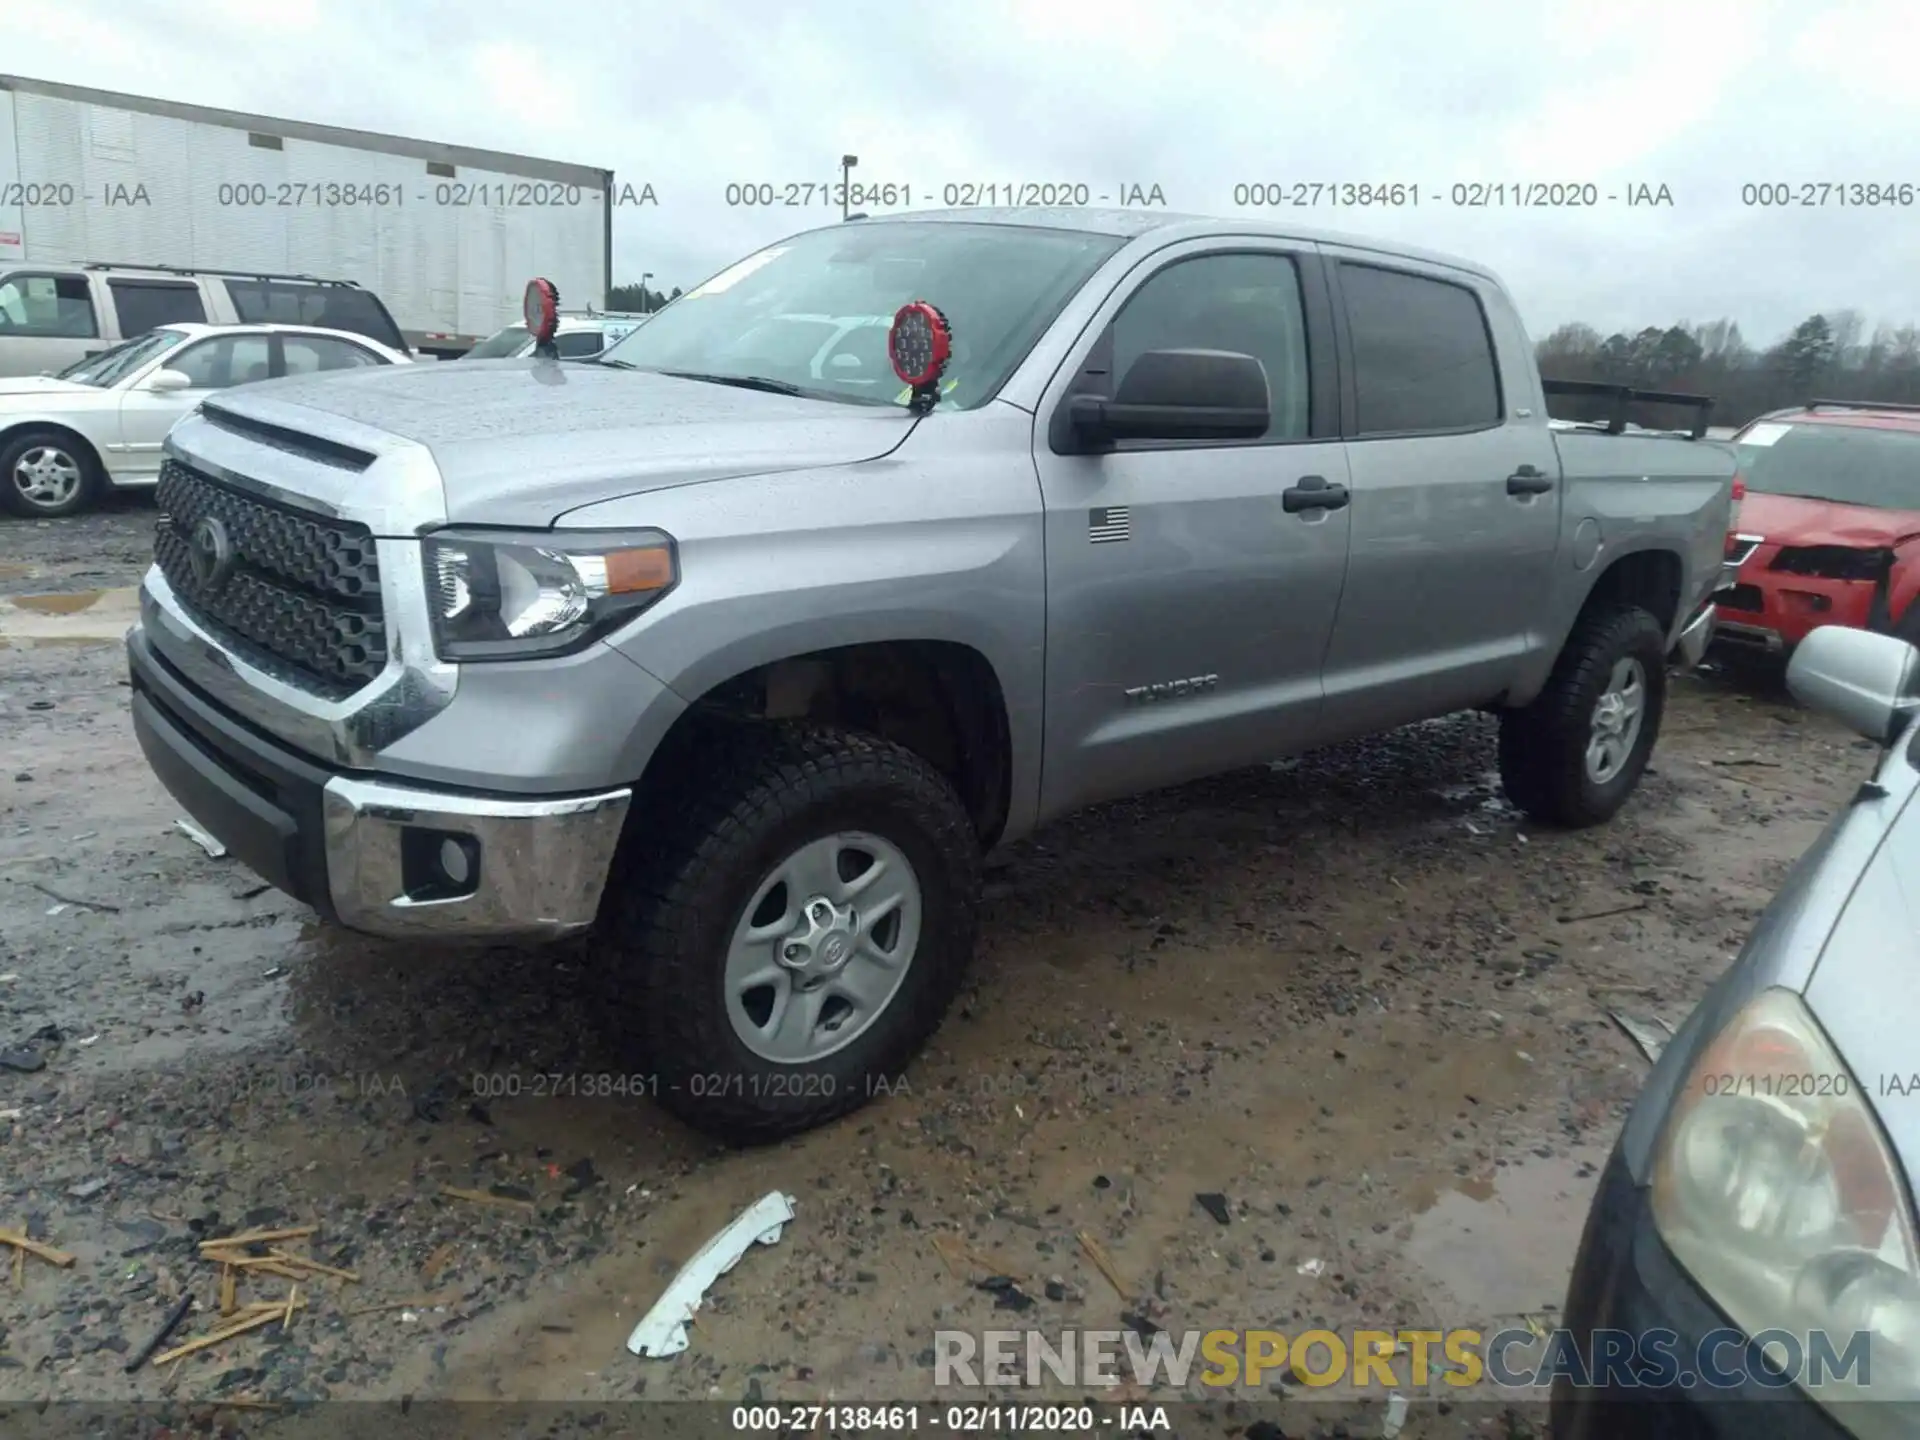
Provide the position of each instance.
(438, 864)
(453, 861)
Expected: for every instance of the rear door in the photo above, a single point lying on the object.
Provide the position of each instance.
(1456, 495)
(1187, 610)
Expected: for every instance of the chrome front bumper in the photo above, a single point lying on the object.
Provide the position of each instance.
(524, 868)
(377, 856)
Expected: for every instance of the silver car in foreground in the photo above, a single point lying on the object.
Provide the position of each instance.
(1762, 1189)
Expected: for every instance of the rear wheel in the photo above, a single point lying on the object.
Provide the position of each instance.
(44, 474)
(782, 951)
(1575, 754)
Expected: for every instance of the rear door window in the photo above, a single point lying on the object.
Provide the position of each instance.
(331, 307)
(1422, 355)
(579, 344)
(309, 354)
(144, 304)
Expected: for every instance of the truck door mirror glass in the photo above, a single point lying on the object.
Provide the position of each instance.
(1180, 395)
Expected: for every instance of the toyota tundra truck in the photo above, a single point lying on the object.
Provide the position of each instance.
(738, 646)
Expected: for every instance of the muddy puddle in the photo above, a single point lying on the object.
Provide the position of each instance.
(69, 617)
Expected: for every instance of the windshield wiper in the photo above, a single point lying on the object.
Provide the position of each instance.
(612, 364)
(740, 382)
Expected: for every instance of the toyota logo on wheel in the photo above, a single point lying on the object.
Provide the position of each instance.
(210, 550)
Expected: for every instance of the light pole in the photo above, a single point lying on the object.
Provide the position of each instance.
(847, 162)
(646, 298)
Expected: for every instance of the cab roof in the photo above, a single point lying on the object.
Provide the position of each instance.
(1132, 223)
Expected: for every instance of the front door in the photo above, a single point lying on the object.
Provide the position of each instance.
(146, 415)
(1188, 609)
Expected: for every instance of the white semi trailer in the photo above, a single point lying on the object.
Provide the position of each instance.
(446, 235)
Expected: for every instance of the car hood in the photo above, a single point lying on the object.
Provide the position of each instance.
(1862, 990)
(521, 442)
(1791, 520)
(44, 385)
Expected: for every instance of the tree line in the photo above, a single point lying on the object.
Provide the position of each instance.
(1832, 357)
(638, 298)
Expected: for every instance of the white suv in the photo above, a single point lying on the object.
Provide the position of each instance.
(52, 315)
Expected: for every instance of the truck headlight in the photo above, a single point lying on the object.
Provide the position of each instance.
(498, 595)
(1775, 1188)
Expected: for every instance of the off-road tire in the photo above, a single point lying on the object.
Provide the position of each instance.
(733, 803)
(18, 444)
(1543, 745)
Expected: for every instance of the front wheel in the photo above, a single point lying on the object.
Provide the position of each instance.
(1575, 754)
(790, 940)
(44, 474)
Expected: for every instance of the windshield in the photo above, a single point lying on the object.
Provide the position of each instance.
(111, 366)
(813, 311)
(1853, 464)
(501, 345)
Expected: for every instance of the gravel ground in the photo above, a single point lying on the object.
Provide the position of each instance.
(1354, 996)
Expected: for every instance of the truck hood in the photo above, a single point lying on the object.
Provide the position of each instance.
(1791, 520)
(521, 442)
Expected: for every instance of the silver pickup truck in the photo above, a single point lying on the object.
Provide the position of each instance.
(739, 650)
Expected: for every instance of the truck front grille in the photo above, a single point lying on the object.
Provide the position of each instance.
(301, 589)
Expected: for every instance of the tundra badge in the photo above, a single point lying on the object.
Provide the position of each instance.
(1171, 689)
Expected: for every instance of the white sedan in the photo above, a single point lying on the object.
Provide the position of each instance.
(66, 439)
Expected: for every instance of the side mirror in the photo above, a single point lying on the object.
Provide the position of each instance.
(1180, 395)
(1867, 681)
(162, 382)
(844, 361)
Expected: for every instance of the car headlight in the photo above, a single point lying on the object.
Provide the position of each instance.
(1775, 1188)
(496, 595)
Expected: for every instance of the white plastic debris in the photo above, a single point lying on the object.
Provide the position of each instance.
(1396, 1416)
(56, 909)
(1312, 1267)
(1651, 1038)
(201, 838)
(88, 1041)
(663, 1329)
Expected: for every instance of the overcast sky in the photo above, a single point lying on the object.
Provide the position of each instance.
(1700, 96)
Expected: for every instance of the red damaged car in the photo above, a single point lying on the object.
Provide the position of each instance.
(1829, 530)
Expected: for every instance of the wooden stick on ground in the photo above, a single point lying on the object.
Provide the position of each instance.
(293, 1299)
(19, 1241)
(418, 1302)
(226, 1290)
(258, 1237)
(1104, 1265)
(247, 1322)
(481, 1197)
(305, 1264)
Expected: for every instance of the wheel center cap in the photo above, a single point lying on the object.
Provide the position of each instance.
(822, 943)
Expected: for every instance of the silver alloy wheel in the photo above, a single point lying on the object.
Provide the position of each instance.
(1617, 716)
(46, 477)
(822, 947)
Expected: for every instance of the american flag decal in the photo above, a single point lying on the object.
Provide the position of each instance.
(1104, 527)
